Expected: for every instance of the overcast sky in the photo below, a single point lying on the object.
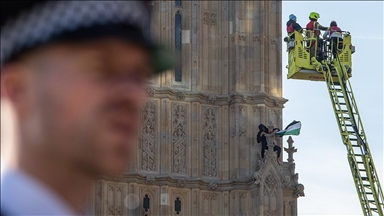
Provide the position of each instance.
(321, 160)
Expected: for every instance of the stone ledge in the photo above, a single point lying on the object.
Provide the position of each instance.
(217, 99)
(184, 182)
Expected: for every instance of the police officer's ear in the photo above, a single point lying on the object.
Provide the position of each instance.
(14, 85)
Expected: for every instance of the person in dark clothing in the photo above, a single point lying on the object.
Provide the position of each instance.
(293, 26)
(334, 35)
(264, 142)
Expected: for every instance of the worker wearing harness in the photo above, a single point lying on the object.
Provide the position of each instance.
(293, 26)
(335, 36)
(315, 27)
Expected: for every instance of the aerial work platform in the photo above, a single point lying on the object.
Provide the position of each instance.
(333, 65)
(301, 65)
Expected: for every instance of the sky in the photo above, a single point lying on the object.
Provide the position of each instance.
(321, 159)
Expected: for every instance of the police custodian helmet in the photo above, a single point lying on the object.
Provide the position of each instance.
(26, 25)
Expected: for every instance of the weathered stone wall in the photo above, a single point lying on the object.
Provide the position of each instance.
(198, 135)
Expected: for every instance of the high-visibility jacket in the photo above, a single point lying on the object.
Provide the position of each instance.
(314, 25)
(311, 26)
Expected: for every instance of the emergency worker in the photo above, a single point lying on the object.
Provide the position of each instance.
(292, 26)
(315, 27)
(75, 74)
(334, 35)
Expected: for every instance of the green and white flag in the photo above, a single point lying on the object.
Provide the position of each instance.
(292, 129)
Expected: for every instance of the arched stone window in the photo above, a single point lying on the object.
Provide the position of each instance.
(146, 203)
(177, 205)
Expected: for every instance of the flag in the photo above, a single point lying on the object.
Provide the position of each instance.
(292, 129)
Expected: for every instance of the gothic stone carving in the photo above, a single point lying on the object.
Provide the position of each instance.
(233, 132)
(213, 19)
(148, 136)
(244, 98)
(210, 142)
(114, 207)
(118, 178)
(271, 213)
(270, 181)
(180, 95)
(149, 180)
(115, 210)
(209, 18)
(212, 99)
(286, 181)
(299, 190)
(150, 92)
(212, 185)
(256, 109)
(231, 99)
(290, 150)
(257, 177)
(207, 196)
(296, 178)
(115, 188)
(210, 204)
(242, 131)
(206, 18)
(179, 131)
(181, 183)
(256, 38)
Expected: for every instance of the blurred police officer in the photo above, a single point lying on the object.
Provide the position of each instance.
(74, 73)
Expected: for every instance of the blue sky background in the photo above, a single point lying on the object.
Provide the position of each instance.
(321, 160)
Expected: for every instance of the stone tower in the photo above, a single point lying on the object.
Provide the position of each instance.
(197, 153)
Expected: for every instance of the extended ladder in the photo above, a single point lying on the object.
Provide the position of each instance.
(353, 136)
